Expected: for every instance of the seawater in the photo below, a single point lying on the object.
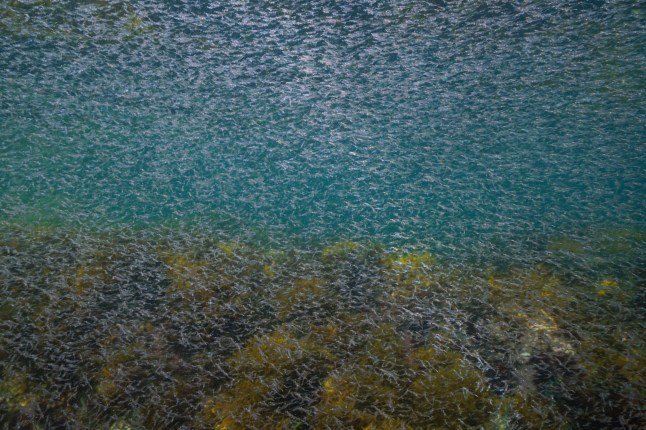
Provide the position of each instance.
(436, 169)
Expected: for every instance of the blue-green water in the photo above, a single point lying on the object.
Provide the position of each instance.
(451, 126)
(176, 170)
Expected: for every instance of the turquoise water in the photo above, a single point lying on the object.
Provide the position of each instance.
(503, 139)
(447, 126)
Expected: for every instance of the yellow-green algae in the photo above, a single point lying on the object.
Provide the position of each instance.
(301, 297)
(263, 370)
(225, 336)
(356, 398)
(15, 392)
(92, 273)
(191, 278)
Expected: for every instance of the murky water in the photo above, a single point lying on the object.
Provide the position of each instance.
(317, 214)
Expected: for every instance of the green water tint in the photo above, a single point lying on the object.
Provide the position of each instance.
(186, 331)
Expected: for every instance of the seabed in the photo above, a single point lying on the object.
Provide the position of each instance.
(131, 333)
